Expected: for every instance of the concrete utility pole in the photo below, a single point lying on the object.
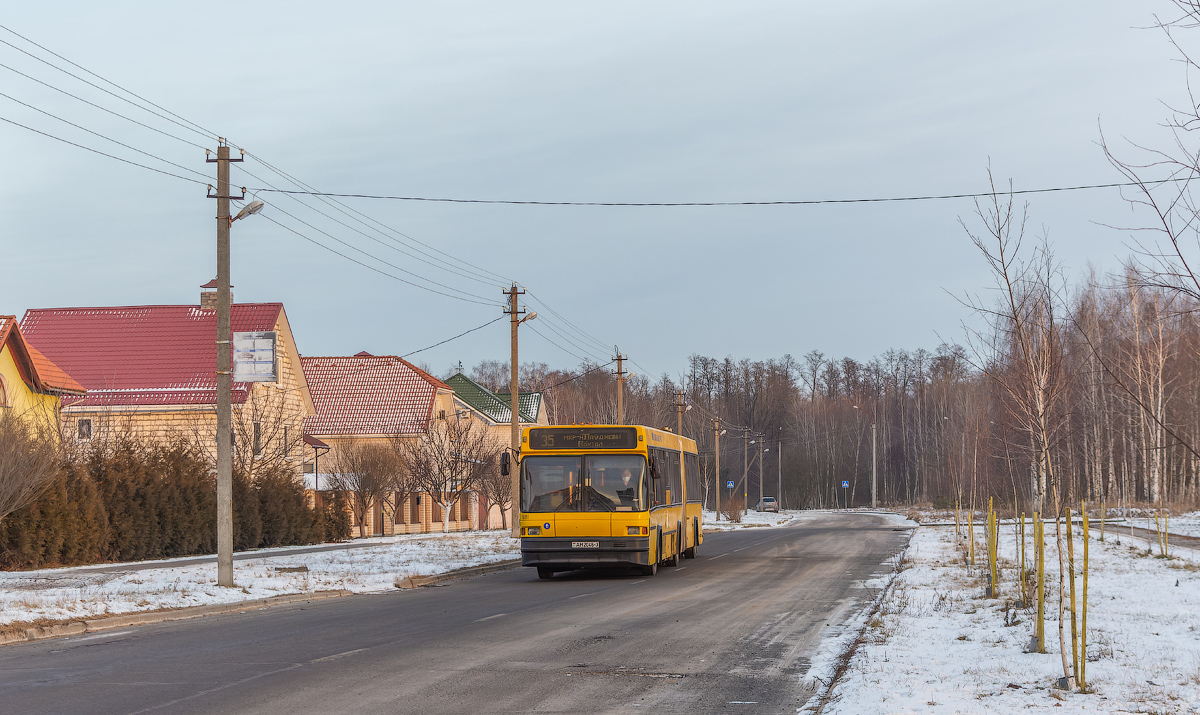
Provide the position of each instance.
(620, 373)
(224, 376)
(779, 486)
(679, 412)
(515, 319)
(761, 468)
(873, 465)
(717, 470)
(745, 469)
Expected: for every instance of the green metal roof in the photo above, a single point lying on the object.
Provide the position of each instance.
(495, 407)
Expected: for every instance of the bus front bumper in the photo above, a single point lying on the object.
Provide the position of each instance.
(567, 553)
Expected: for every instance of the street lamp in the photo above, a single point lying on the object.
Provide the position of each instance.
(224, 373)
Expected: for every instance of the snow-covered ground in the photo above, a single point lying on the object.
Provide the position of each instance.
(750, 520)
(938, 645)
(77, 593)
(1185, 524)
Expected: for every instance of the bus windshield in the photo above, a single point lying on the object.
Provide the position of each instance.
(610, 482)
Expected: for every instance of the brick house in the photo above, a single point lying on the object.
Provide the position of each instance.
(367, 399)
(150, 373)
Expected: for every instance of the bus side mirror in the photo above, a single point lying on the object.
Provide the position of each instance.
(504, 462)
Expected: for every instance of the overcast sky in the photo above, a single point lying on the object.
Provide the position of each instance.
(613, 101)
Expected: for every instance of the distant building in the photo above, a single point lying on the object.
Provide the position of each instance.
(150, 373)
(30, 384)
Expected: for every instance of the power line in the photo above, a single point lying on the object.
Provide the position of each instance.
(490, 283)
(93, 84)
(477, 270)
(543, 336)
(108, 81)
(107, 138)
(373, 268)
(795, 202)
(456, 337)
(582, 374)
(97, 106)
(386, 263)
(97, 151)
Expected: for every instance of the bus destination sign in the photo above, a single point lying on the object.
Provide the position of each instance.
(583, 438)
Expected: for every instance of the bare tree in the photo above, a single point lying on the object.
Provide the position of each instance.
(1023, 352)
(368, 473)
(29, 458)
(497, 489)
(449, 461)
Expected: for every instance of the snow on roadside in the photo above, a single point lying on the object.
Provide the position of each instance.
(751, 519)
(937, 645)
(66, 594)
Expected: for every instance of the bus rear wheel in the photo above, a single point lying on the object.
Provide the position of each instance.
(545, 572)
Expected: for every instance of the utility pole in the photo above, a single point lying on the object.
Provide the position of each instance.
(515, 319)
(224, 376)
(745, 469)
(620, 373)
(779, 487)
(761, 468)
(717, 471)
(873, 465)
(679, 412)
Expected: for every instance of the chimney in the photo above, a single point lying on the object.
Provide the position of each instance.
(208, 295)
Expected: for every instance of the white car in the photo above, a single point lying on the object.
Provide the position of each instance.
(768, 504)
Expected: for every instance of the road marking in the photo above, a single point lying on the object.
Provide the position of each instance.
(488, 618)
(680, 568)
(574, 597)
(743, 702)
(102, 635)
(338, 655)
(710, 558)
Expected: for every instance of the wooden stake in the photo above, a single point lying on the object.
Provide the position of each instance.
(1071, 566)
(1083, 630)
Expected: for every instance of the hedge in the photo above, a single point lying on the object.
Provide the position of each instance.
(133, 502)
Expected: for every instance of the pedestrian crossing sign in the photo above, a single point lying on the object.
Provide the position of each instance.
(729, 484)
(845, 485)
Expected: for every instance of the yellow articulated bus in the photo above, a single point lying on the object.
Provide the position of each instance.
(608, 495)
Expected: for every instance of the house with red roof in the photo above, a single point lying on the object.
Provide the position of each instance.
(367, 399)
(31, 385)
(150, 373)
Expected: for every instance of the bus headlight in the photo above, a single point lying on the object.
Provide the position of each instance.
(534, 531)
(633, 530)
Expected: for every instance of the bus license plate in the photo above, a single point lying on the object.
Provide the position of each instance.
(585, 544)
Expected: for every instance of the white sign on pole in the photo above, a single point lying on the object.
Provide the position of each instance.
(254, 357)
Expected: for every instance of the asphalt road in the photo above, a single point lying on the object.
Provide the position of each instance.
(729, 631)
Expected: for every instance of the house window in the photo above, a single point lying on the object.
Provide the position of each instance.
(84, 428)
(441, 414)
(414, 508)
(258, 439)
(3, 394)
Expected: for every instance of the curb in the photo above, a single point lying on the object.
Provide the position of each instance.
(75, 628)
(419, 581)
